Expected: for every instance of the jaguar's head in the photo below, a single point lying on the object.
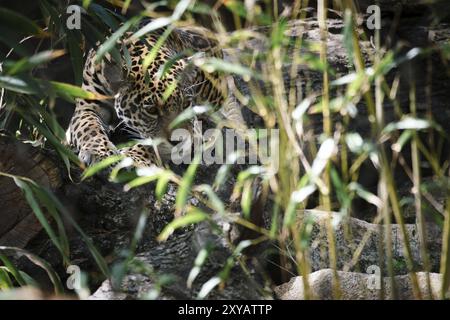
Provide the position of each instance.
(149, 105)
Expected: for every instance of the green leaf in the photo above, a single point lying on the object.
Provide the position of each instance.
(326, 151)
(408, 123)
(221, 175)
(366, 195)
(70, 91)
(29, 281)
(161, 186)
(187, 115)
(194, 215)
(53, 276)
(19, 23)
(152, 26)
(302, 193)
(216, 203)
(76, 55)
(402, 140)
(139, 231)
(64, 152)
(13, 270)
(61, 245)
(214, 64)
(111, 42)
(146, 175)
(29, 196)
(185, 185)
(99, 166)
(246, 199)
(11, 41)
(198, 263)
(46, 201)
(16, 85)
(348, 34)
(42, 87)
(236, 7)
(208, 286)
(104, 15)
(180, 8)
(5, 280)
(86, 3)
(163, 21)
(28, 63)
(101, 263)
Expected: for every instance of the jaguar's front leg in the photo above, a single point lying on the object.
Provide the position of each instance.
(88, 134)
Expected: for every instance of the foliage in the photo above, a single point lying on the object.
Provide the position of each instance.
(29, 101)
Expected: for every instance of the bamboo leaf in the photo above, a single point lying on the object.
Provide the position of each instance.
(76, 55)
(34, 205)
(246, 199)
(145, 176)
(99, 166)
(41, 87)
(53, 276)
(16, 85)
(5, 280)
(193, 216)
(28, 63)
(208, 287)
(161, 186)
(111, 42)
(216, 203)
(198, 263)
(185, 185)
(19, 23)
(13, 270)
(70, 92)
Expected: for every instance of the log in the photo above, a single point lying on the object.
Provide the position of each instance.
(18, 224)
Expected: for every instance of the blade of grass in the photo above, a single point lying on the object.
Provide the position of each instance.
(53, 276)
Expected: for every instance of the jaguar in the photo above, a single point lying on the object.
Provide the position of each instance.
(152, 83)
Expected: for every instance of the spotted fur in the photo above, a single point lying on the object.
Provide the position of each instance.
(138, 95)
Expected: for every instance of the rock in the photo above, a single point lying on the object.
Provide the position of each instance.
(358, 286)
(105, 292)
(353, 234)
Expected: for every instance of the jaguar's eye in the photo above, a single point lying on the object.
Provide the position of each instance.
(153, 110)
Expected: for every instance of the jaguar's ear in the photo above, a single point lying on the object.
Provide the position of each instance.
(114, 75)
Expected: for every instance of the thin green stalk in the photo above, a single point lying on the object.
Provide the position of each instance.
(392, 192)
(327, 128)
(382, 190)
(445, 256)
(388, 178)
(420, 219)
